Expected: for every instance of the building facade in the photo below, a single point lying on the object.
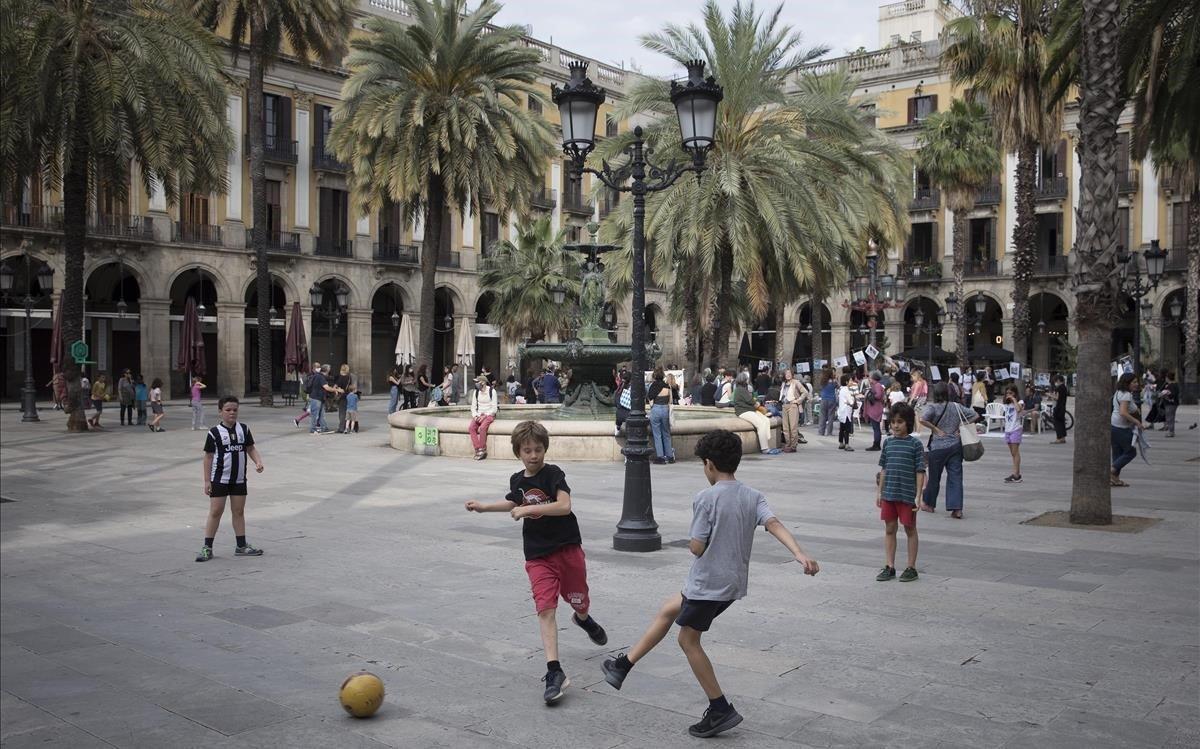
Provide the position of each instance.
(145, 258)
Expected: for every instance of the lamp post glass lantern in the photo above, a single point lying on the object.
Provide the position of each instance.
(872, 293)
(45, 281)
(696, 102)
(1136, 287)
(329, 309)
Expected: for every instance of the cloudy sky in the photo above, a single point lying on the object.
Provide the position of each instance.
(608, 30)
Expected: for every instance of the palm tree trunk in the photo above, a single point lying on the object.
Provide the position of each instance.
(1191, 323)
(691, 323)
(960, 247)
(1024, 245)
(258, 200)
(1095, 293)
(429, 256)
(781, 354)
(818, 325)
(719, 308)
(75, 206)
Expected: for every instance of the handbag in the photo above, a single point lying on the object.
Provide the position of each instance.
(972, 446)
(436, 395)
(626, 398)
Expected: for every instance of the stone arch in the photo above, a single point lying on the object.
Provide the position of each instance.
(802, 348)
(220, 283)
(134, 268)
(458, 299)
(1171, 340)
(352, 298)
(107, 285)
(916, 339)
(284, 282)
(408, 300)
(999, 301)
(1050, 320)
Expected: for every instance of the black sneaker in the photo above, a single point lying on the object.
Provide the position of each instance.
(205, 554)
(614, 672)
(1013, 480)
(248, 551)
(713, 723)
(908, 575)
(887, 573)
(594, 631)
(556, 682)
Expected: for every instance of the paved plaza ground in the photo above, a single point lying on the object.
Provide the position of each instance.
(1014, 636)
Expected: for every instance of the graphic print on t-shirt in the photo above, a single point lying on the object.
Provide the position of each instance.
(535, 496)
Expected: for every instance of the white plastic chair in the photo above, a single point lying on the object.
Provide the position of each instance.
(993, 412)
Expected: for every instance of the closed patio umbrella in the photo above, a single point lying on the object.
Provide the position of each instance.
(406, 348)
(190, 358)
(465, 348)
(295, 346)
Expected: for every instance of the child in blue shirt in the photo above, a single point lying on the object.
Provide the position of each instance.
(900, 481)
(351, 424)
(141, 394)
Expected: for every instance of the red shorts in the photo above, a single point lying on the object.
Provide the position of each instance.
(560, 573)
(902, 511)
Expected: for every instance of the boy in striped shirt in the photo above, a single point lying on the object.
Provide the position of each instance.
(228, 448)
(901, 480)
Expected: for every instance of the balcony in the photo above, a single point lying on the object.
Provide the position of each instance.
(1177, 259)
(121, 226)
(451, 259)
(1052, 188)
(1051, 265)
(118, 226)
(277, 241)
(989, 195)
(920, 270)
(545, 199)
(188, 233)
(277, 150)
(1127, 182)
(980, 268)
(397, 254)
(926, 199)
(323, 161)
(333, 247)
(577, 205)
(39, 217)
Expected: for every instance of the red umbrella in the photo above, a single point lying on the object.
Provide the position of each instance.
(58, 353)
(295, 347)
(191, 342)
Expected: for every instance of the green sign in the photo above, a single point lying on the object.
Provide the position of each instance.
(79, 352)
(425, 437)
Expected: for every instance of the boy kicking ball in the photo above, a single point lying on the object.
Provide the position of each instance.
(227, 449)
(554, 559)
(724, 518)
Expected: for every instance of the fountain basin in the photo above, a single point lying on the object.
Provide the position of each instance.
(570, 438)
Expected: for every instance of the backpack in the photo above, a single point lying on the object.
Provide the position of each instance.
(437, 395)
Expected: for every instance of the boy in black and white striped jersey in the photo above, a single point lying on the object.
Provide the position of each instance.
(228, 448)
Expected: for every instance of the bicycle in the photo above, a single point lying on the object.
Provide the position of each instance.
(1048, 419)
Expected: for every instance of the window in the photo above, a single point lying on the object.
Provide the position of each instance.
(921, 243)
(572, 188)
(535, 106)
(1179, 227)
(573, 234)
(277, 120)
(274, 207)
(916, 37)
(391, 224)
(1053, 164)
(610, 126)
(920, 107)
(324, 125)
(491, 231)
(193, 209)
(867, 112)
(334, 211)
(1124, 233)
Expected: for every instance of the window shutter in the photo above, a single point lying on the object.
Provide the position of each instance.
(1123, 152)
(285, 118)
(1060, 159)
(912, 110)
(933, 104)
(325, 214)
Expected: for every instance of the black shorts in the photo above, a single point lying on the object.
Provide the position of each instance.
(228, 490)
(699, 615)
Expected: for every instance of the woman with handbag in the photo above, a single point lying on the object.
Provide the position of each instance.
(945, 419)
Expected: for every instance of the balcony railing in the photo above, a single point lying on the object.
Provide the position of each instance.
(1177, 259)
(195, 233)
(333, 247)
(1127, 181)
(926, 199)
(277, 150)
(1052, 188)
(920, 270)
(545, 198)
(122, 226)
(403, 254)
(277, 241)
(1051, 265)
(576, 204)
(451, 259)
(43, 217)
(979, 268)
(989, 195)
(323, 161)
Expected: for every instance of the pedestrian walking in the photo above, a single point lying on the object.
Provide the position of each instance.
(156, 406)
(197, 405)
(484, 407)
(318, 389)
(141, 394)
(829, 395)
(1014, 427)
(847, 401)
(58, 385)
(306, 413)
(980, 399)
(228, 448)
(125, 396)
(554, 560)
(100, 394)
(1059, 412)
(792, 398)
(918, 393)
(1169, 398)
(724, 519)
(1125, 417)
(351, 398)
(660, 396)
(943, 418)
(900, 481)
(874, 402)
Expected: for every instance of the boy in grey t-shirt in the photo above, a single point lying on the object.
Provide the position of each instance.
(724, 518)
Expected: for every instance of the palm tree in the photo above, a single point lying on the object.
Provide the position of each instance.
(523, 277)
(309, 29)
(434, 115)
(958, 152)
(90, 87)
(1003, 54)
(796, 171)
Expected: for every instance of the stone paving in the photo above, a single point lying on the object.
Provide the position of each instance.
(1015, 636)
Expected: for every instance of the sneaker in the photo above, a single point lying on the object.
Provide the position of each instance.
(849, 449)
(713, 723)
(205, 554)
(1013, 480)
(660, 462)
(594, 631)
(556, 682)
(887, 573)
(873, 449)
(614, 672)
(296, 422)
(248, 551)
(789, 449)
(908, 575)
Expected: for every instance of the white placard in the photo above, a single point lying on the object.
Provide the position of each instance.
(841, 361)
(1043, 380)
(860, 358)
(820, 363)
(872, 352)
(1000, 375)
(1116, 369)
(801, 367)
(935, 373)
(903, 365)
(1014, 370)
(955, 371)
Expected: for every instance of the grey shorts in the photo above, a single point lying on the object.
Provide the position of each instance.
(156, 408)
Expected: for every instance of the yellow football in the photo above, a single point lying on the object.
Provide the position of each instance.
(361, 694)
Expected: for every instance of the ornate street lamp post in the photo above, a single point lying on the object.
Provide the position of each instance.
(1137, 287)
(45, 278)
(928, 330)
(329, 309)
(696, 103)
(873, 293)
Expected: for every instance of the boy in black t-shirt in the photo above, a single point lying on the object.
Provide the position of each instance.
(228, 450)
(554, 557)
